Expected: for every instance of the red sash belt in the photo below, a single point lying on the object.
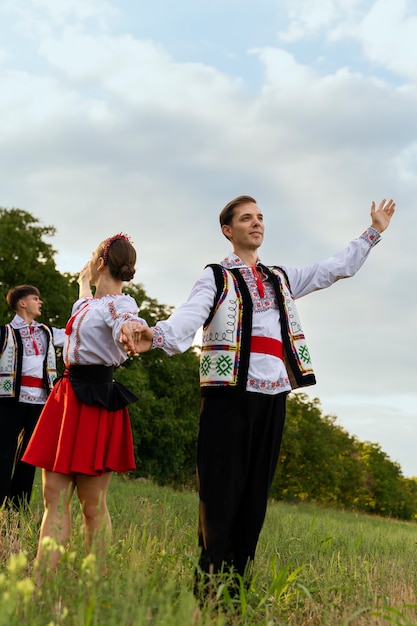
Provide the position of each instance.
(32, 381)
(266, 345)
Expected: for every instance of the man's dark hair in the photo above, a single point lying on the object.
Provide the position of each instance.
(226, 214)
(19, 292)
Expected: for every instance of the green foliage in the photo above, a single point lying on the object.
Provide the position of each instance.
(25, 258)
(318, 458)
(387, 492)
(165, 419)
(321, 462)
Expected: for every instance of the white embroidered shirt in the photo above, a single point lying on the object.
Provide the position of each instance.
(95, 332)
(34, 350)
(267, 374)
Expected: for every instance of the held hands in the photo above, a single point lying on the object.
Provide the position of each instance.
(136, 337)
(381, 216)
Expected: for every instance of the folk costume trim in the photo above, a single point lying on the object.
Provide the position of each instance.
(296, 353)
(220, 358)
(225, 353)
(8, 363)
(50, 363)
(11, 356)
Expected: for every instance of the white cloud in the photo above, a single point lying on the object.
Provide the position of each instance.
(388, 34)
(385, 29)
(138, 71)
(27, 102)
(60, 11)
(306, 17)
(38, 17)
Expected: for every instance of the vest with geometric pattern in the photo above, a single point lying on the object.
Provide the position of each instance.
(227, 332)
(11, 355)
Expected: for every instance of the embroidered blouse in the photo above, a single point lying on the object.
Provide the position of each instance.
(267, 373)
(95, 330)
(34, 352)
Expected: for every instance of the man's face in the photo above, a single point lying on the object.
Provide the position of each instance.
(246, 230)
(32, 304)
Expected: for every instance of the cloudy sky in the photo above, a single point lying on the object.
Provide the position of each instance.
(147, 117)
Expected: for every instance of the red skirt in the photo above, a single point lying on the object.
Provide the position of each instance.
(74, 438)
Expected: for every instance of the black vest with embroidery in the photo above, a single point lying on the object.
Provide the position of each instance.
(14, 370)
(227, 332)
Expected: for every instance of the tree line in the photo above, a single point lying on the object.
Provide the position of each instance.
(319, 460)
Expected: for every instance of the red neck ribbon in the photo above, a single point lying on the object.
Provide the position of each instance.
(259, 283)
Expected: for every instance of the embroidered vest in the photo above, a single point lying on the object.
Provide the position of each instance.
(11, 355)
(225, 352)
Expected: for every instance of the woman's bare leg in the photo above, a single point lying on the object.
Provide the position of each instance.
(92, 493)
(56, 522)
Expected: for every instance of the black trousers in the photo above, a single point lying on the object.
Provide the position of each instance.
(238, 447)
(17, 423)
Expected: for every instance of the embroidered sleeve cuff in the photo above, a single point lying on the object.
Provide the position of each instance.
(158, 338)
(372, 236)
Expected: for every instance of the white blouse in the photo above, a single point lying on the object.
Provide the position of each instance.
(267, 374)
(35, 343)
(95, 326)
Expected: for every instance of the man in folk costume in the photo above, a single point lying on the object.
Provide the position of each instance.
(27, 373)
(253, 353)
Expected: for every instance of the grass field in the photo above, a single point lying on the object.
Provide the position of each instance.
(313, 567)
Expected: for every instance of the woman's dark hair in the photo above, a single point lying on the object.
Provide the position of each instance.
(19, 292)
(120, 257)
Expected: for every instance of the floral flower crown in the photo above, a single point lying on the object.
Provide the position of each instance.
(110, 240)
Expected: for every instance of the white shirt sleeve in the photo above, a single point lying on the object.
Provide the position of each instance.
(178, 331)
(95, 332)
(343, 264)
(58, 336)
(118, 311)
(176, 334)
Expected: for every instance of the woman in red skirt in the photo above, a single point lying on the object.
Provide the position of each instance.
(84, 432)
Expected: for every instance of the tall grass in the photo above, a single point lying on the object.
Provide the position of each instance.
(313, 567)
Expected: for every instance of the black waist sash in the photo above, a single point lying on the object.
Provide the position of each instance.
(94, 384)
